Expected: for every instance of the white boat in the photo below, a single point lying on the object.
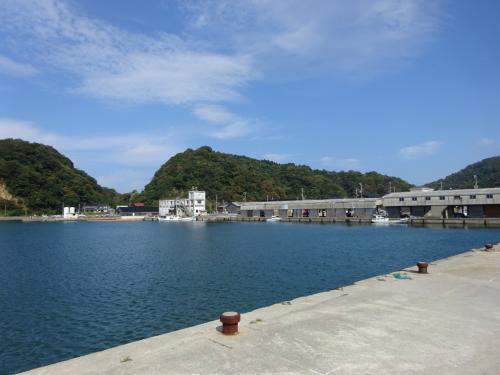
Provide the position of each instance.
(382, 219)
(403, 220)
(176, 218)
(274, 219)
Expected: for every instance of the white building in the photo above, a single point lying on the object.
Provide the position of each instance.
(193, 205)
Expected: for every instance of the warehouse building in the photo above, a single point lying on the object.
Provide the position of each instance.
(362, 208)
(444, 204)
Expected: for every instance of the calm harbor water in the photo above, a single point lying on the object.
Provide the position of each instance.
(69, 289)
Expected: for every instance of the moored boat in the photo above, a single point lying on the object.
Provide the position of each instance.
(274, 218)
(176, 218)
(382, 219)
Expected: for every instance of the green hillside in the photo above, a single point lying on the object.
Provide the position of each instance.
(230, 176)
(487, 172)
(40, 179)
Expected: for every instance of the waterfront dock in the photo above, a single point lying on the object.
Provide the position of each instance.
(443, 322)
(451, 222)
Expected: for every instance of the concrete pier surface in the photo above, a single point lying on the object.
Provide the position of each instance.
(444, 322)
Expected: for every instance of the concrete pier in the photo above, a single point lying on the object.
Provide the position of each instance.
(458, 223)
(443, 322)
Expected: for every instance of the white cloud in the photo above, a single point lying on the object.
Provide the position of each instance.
(130, 149)
(13, 128)
(233, 130)
(420, 150)
(130, 178)
(488, 141)
(214, 114)
(278, 158)
(112, 63)
(340, 163)
(11, 67)
(219, 54)
(336, 34)
(230, 125)
(227, 45)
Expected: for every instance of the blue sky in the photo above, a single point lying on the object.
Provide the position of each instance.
(406, 88)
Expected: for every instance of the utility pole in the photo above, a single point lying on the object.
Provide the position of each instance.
(216, 206)
(441, 184)
(244, 196)
(361, 190)
(302, 193)
(390, 186)
(476, 185)
(356, 193)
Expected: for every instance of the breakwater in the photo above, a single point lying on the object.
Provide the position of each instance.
(461, 222)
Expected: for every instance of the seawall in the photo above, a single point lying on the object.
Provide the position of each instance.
(482, 222)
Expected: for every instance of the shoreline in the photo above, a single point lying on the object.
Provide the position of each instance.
(442, 322)
(417, 222)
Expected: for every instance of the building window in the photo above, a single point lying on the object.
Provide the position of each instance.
(441, 198)
(401, 199)
(427, 198)
(472, 197)
(413, 198)
(489, 196)
(457, 197)
(199, 201)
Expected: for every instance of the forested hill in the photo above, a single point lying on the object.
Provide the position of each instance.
(487, 172)
(230, 176)
(40, 179)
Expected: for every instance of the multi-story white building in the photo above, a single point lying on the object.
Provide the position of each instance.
(193, 205)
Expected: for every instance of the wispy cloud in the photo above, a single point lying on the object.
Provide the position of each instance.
(230, 125)
(420, 150)
(235, 129)
(226, 45)
(488, 142)
(11, 67)
(113, 63)
(214, 114)
(143, 153)
(278, 158)
(132, 179)
(352, 35)
(340, 163)
(219, 54)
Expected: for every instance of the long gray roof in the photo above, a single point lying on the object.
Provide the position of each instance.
(443, 192)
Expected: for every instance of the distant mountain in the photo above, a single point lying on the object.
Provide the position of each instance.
(487, 172)
(231, 176)
(40, 179)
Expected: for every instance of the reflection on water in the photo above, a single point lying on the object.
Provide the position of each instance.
(68, 290)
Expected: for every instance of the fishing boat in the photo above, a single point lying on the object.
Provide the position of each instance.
(273, 219)
(176, 218)
(382, 219)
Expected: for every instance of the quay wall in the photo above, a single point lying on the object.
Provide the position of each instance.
(483, 222)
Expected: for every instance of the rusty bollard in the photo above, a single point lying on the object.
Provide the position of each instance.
(230, 322)
(422, 267)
